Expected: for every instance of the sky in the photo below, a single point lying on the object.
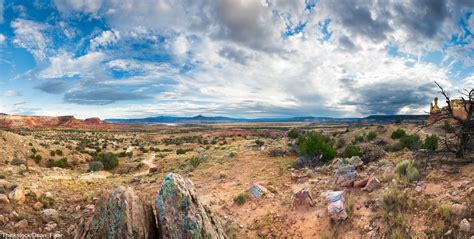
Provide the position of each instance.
(240, 58)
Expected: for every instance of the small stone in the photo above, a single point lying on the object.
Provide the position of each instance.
(463, 184)
(464, 225)
(257, 191)
(459, 209)
(50, 226)
(241, 226)
(21, 225)
(18, 195)
(50, 214)
(38, 206)
(448, 233)
(153, 170)
(361, 183)
(4, 199)
(419, 189)
(372, 185)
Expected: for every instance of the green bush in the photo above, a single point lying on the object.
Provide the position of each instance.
(95, 166)
(259, 143)
(410, 141)
(38, 158)
(371, 136)
(241, 198)
(314, 144)
(109, 160)
(52, 153)
(61, 163)
(183, 151)
(398, 134)
(195, 161)
(59, 152)
(359, 138)
(294, 133)
(394, 148)
(351, 150)
(431, 142)
(407, 171)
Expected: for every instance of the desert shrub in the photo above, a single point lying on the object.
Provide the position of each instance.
(37, 158)
(394, 147)
(34, 151)
(143, 150)
(50, 163)
(277, 152)
(444, 212)
(431, 143)
(183, 151)
(359, 138)
(52, 153)
(407, 171)
(241, 198)
(410, 141)
(371, 136)
(294, 133)
(447, 126)
(398, 134)
(17, 161)
(340, 142)
(59, 152)
(195, 161)
(232, 154)
(109, 160)
(95, 166)
(259, 143)
(371, 152)
(61, 163)
(351, 150)
(315, 144)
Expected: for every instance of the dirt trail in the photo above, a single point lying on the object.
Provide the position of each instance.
(149, 161)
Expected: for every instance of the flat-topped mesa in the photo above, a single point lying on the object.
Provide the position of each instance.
(94, 121)
(48, 122)
(437, 113)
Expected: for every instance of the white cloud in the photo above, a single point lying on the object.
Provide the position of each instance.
(88, 6)
(65, 65)
(106, 38)
(10, 93)
(2, 39)
(28, 35)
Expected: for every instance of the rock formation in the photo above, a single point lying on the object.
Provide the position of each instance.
(180, 213)
(121, 214)
(437, 113)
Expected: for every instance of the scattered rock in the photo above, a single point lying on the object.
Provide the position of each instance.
(50, 226)
(345, 175)
(448, 233)
(4, 185)
(50, 214)
(464, 225)
(4, 199)
(21, 225)
(361, 183)
(18, 195)
(120, 214)
(303, 198)
(463, 184)
(2, 220)
(336, 207)
(459, 209)
(372, 184)
(153, 170)
(38, 206)
(297, 178)
(304, 161)
(181, 214)
(257, 191)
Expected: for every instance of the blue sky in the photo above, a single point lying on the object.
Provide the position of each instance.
(268, 58)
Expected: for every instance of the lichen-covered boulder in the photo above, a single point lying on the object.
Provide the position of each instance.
(120, 214)
(181, 214)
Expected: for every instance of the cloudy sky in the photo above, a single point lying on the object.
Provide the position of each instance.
(242, 58)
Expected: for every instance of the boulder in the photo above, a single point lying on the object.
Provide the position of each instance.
(459, 209)
(180, 212)
(21, 225)
(336, 209)
(361, 183)
(303, 198)
(17, 195)
(345, 175)
(372, 184)
(4, 199)
(50, 214)
(38, 206)
(464, 225)
(120, 214)
(256, 191)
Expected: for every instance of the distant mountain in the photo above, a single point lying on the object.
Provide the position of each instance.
(50, 122)
(221, 119)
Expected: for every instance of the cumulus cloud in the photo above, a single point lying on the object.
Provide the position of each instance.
(53, 87)
(106, 38)
(28, 35)
(88, 6)
(1, 11)
(10, 93)
(2, 39)
(65, 65)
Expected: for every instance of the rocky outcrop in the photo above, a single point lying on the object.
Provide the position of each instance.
(121, 214)
(49, 122)
(181, 214)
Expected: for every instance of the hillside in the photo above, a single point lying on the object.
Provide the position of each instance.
(50, 122)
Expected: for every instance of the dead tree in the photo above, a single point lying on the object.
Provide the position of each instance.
(464, 127)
